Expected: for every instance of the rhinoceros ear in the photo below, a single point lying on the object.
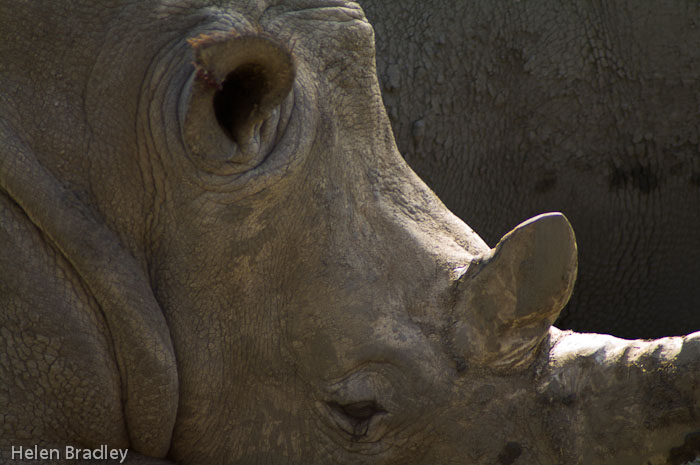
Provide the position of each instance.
(238, 83)
(508, 300)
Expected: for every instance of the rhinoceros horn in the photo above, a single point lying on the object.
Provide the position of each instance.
(622, 401)
(509, 298)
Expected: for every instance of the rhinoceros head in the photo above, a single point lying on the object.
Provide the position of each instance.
(257, 274)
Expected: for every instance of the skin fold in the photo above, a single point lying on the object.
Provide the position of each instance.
(212, 252)
(508, 109)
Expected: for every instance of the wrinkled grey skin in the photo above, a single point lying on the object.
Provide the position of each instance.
(508, 109)
(208, 270)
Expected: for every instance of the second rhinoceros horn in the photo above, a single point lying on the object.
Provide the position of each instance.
(508, 299)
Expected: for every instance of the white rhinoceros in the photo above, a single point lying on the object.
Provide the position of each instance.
(212, 253)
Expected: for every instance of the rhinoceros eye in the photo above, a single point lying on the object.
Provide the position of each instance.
(355, 418)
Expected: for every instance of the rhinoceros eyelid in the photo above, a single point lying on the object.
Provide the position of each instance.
(360, 411)
(356, 418)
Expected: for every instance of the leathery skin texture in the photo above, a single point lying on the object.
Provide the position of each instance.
(508, 109)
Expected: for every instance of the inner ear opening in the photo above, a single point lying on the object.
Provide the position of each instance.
(240, 95)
